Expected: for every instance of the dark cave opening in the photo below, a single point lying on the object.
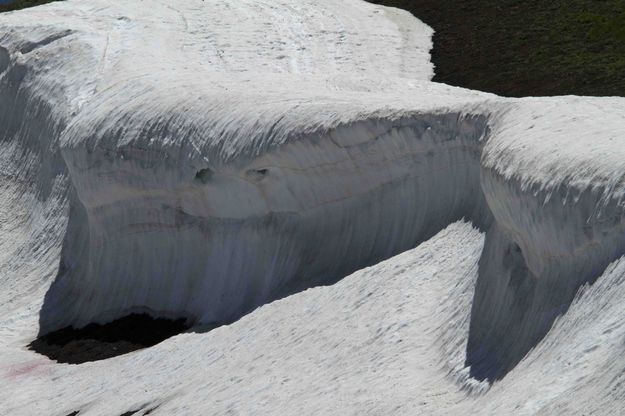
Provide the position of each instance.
(101, 341)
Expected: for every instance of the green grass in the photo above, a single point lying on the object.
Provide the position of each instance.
(530, 47)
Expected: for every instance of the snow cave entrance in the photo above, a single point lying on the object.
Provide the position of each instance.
(97, 342)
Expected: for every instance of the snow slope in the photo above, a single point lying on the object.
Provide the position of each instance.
(202, 159)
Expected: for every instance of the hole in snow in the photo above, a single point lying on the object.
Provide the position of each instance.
(98, 342)
(257, 174)
(203, 175)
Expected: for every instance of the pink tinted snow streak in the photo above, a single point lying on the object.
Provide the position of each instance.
(28, 368)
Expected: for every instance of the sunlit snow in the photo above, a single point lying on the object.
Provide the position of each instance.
(230, 162)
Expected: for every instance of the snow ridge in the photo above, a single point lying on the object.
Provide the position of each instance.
(182, 166)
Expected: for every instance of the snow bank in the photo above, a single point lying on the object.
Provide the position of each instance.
(554, 183)
(207, 199)
(212, 239)
(165, 159)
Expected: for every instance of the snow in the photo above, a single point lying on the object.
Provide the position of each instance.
(203, 159)
(291, 355)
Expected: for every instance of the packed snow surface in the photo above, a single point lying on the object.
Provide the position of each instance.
(219, 161)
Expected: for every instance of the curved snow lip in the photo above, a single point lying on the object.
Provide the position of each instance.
(533, 266)
(209, 199)
(422, 172)
(234, 242)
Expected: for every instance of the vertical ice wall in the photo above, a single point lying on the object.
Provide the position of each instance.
(554, 184)
(208, 167)
(34, 109)
(61, 62)
(211, 239)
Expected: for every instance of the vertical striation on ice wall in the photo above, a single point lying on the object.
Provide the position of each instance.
(175, 163)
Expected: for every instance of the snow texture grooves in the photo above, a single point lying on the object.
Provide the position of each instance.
(250, 230)
(537, 255)
(165, 160)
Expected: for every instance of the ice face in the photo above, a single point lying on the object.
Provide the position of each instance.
(242, 227)
(161, 160)
(213, 242)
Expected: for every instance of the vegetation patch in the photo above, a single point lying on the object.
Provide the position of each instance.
(526, 48)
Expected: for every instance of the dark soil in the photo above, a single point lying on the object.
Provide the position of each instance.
(526, 47)
(22, 4)
(98, 342)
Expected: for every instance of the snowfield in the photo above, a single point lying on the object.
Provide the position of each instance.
(230, 162)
